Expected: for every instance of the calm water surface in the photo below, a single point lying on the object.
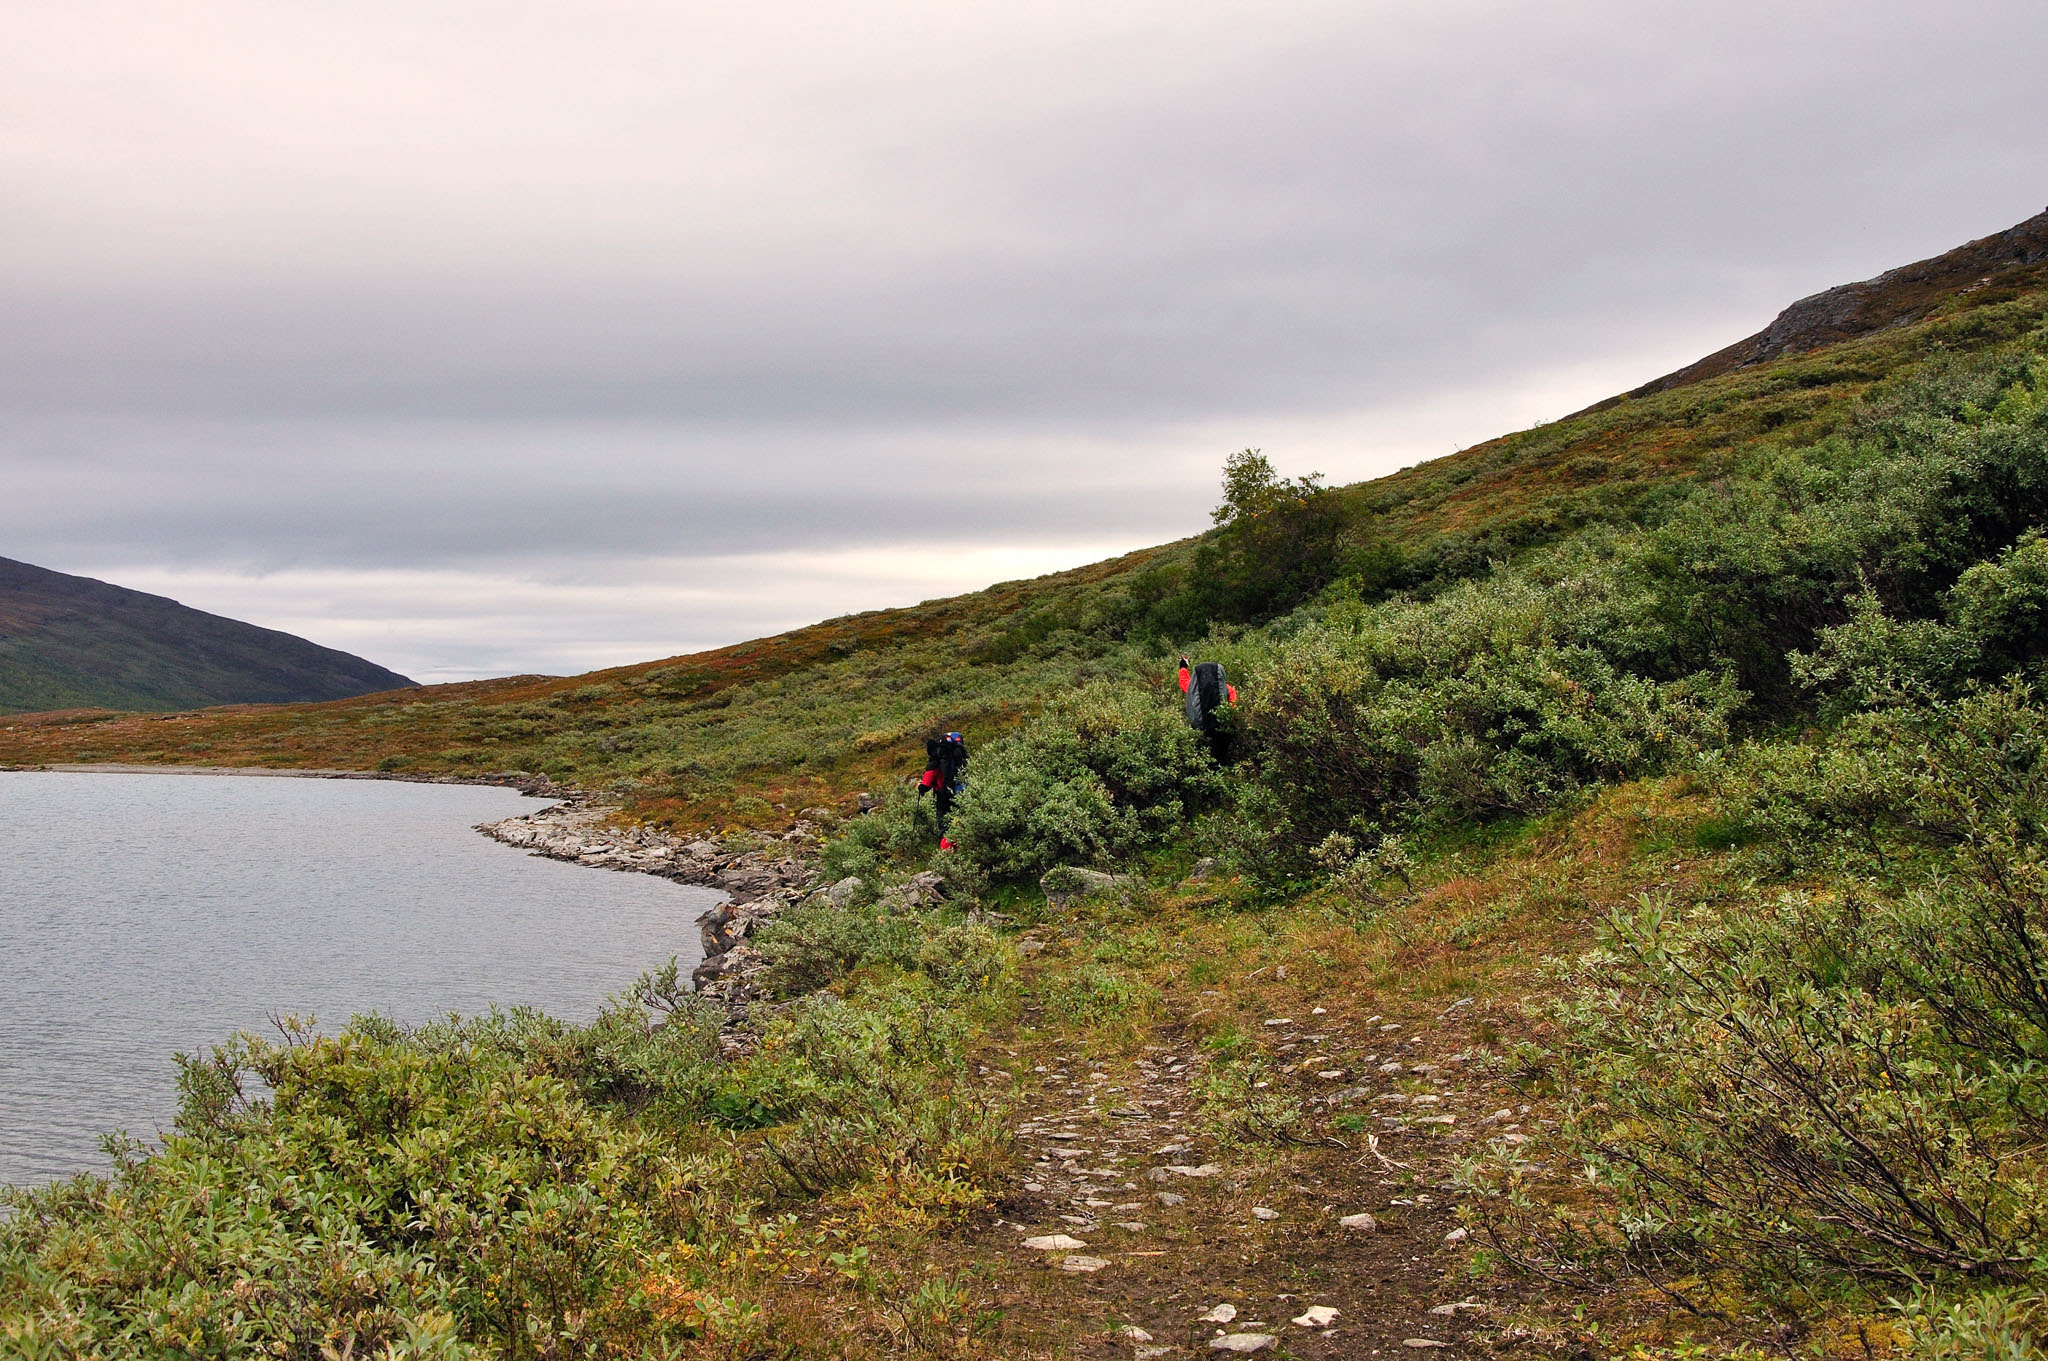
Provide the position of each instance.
(144, 915)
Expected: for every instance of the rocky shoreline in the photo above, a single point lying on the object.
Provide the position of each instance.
(761, 875)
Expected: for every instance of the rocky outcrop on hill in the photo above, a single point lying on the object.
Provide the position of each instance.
(1893, 298)
(760, 875)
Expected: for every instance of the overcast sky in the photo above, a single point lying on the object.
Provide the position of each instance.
(484, 337)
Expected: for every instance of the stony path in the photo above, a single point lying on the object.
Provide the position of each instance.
(1149, 1238)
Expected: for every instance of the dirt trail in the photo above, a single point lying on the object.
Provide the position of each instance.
(1169, 1234)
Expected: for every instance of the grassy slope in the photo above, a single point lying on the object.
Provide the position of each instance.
(735, 735)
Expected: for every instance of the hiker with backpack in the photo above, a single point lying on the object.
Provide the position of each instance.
(1207, 689)
(945, 774)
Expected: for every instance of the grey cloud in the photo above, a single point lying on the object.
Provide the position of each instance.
(446, 283)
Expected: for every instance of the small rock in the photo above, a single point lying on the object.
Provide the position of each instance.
(1316, 1316)
(1422, 1343)
(1169, 1199)
(1243, 1342)
(1130, 1225)
(1202, 869)
(1364, 1223)
(1261, 1212)
(1320, 1011)
(1083, 1264)
(1053, 1242)
(1281, 1020)
(1028, 947)
(1222, 1313)
(1457, 1235)
(842, 893)
(1133, 1332)
(1205, 1170)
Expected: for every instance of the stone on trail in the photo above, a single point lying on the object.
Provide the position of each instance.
(1244, 1342)
(1316, 1316)
(1364, 1223)
(1053, 1242)
(1261, 1212)
(1222, 1313)
(1083, 1263)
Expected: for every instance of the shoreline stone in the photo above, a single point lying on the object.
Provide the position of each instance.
(761, 876)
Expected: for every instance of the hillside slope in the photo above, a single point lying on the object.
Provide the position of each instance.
(69, 642)
(810, 716)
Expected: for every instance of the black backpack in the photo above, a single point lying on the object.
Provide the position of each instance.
(948, 756)
(1205, 692)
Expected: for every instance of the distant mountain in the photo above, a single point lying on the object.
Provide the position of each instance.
(71, 642)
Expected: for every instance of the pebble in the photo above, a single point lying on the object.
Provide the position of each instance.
(1458, 1235)
(1422, 1343)
(1053, 1242)
(1078, 1263)
(1261, 1212)
(1169, 1199)
(1222, 1313)
(1134, 1333)
(1364, 1223)
(1316, 1316)
(1243, 1342)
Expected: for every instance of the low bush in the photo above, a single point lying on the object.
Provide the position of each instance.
(1099, 776)
(1848, 1079)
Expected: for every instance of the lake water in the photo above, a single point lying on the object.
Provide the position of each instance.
(145, 915)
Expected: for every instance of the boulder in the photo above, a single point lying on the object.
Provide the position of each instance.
(844, 892)
(1070, 883)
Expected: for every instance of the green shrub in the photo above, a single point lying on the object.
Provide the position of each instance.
(1097, 777)
(1849, 1079)
(810, 946)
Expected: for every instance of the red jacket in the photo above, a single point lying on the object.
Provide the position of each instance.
(1187, 676)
